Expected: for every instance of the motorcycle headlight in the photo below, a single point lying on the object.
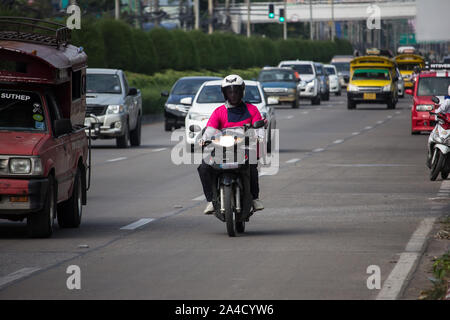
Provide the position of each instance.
(387, 88)
(352, 87)
(424, 107)
(114, 109)
(226, 141)
(20, 166)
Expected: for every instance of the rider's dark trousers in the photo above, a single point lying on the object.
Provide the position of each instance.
(207, 177)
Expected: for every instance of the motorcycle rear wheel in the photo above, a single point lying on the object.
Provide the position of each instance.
(436, 164)
(229, 213)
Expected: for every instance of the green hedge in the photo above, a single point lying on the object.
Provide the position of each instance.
(114, 44)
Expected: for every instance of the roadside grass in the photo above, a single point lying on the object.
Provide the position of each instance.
(440, 268)
(152, 86)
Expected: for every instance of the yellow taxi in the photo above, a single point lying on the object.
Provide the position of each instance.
(373, 79)
(406, 63)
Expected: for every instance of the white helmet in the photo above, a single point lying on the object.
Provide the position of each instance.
(233, 80)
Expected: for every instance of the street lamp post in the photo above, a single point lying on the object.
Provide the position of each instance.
(285, 22)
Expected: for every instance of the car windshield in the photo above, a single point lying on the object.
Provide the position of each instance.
(276, 76)
(342, 66)
(407, 66)
(103, 83)
(187, 86)
(213, 94)
(433, 86)
(21, 111)
(329, 70)
(371, 74)
(300, 68)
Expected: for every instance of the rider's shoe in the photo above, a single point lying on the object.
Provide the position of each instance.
(257, 205)
(209, 208)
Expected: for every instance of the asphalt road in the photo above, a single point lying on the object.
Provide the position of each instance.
(351, 190)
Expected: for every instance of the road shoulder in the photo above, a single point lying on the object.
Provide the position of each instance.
(420, 280)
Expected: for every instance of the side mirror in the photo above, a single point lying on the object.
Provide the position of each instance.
(164, 93)
(409, 91)
(272, 101)
(435, 99)
(63, 126)
(132, 92)
(259, 124)
(186, 101)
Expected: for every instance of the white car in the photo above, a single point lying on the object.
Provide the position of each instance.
(335, 85)
(309, 82)
(209, 97)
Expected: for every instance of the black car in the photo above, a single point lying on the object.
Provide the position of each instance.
(174, 111)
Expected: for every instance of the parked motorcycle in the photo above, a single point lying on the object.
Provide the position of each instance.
(439, 146)
(229, 152)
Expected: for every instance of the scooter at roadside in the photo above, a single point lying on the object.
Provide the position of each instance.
(438, 159)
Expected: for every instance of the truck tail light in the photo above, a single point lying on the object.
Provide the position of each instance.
(18, 199)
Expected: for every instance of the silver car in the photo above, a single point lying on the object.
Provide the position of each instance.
(113, 109)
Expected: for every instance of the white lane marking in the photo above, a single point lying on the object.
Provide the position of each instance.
(305, 112)
(318, 150)
(116, 159)
(289, 117)
(389, 117)
(338, 141)
(137, 224)
(293, 160)
(17, 275)
(398, 112)
(355, 133)
(160, 149)
(202, 197)
(368, 128)
(380, 122)
(393, 285)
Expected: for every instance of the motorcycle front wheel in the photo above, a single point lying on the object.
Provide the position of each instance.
(230, 218)
(437, 164)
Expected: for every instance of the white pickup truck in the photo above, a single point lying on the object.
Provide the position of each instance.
(113, 109)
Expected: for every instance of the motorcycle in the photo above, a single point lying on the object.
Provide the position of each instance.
(229, 153)
(438, 160)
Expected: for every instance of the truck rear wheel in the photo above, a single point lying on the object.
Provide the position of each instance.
(40, 224)
(135, 135)
(70, 211)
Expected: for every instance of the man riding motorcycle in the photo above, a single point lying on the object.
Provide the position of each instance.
(235, 112)
(445, 106)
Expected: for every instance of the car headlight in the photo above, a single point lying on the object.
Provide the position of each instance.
(20, 166)
(387, 88)
(197, 116)
(172, 106)
(31, 166)
(424, 107)
(114, 109)
(352, 87)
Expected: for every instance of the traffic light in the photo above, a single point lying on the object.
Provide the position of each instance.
(271, 11)
(281, 18)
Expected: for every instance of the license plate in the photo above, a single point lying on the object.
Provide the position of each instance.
(232, 165)
(370, 96)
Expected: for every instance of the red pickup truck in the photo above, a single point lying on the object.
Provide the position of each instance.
(43, 144)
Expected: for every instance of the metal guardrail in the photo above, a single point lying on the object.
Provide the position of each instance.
(34, 31)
